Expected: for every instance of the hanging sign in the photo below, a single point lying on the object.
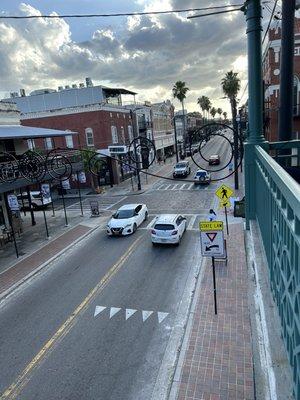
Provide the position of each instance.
(13, 202)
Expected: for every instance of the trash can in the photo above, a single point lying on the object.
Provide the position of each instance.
(239, 208)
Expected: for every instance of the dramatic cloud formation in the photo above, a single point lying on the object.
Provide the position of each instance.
(147, 54)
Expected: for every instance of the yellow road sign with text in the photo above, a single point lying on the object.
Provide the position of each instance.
(210, 226)
(224, 192)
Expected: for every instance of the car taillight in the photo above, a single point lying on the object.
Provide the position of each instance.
(174, 232)
(153, 232)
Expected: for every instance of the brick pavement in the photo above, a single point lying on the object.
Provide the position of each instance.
(218, 360)
(25, 266)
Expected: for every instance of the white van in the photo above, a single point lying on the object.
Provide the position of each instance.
(36, 200)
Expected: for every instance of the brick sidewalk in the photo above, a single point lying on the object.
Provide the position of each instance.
(27, 265)
(218, 360)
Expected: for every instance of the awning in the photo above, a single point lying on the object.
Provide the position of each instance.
(28, 132)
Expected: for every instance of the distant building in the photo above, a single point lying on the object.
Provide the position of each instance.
(271, 76)
(163, 127)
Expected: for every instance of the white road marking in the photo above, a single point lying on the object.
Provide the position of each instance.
(161, 316)
(182, 187)
(167, 187)
(129, 312)
(175, 187)
(192, 221)
(98, 310)
(146, 315)
(149, 226)
(122, 198)
(114, 311)
(160, 187)
(190, 186)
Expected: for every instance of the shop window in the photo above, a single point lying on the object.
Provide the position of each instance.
(114, 135)
(122, 135)
(89, 137)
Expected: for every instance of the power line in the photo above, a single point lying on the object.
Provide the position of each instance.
(270, 20)
(119, 14)
(215, 13)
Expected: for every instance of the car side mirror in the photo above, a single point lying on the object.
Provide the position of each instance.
(114, 215)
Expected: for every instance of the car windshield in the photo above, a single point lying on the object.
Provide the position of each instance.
(180, 165)
(201, 173)
(164, 227)
(123, 214)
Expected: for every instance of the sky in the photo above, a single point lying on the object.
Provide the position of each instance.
(146, 54)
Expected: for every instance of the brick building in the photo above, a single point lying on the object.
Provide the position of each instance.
(271, 75)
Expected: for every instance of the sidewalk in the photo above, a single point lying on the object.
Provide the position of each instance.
(216, 360)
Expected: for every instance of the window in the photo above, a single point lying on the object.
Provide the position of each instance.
(124, 116)
(69, 142)
(117, 115)
(130, 134)
(296, 96)
(89, 137)
(31, 144)
(114, 135)
(48, 143)
(122, 134)
(110, 115)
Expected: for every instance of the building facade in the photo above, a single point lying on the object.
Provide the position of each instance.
(163, 128)
(271, 76)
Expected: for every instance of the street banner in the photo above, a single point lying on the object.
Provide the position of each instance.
(13, 202)
(82, 177)
(66, 184)
(45, 191)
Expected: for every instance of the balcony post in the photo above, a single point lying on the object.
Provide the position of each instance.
(253, 14)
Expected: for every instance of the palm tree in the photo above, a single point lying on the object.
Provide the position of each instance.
(179, 92)
(213, 112)
(225, 115)
(207, 105)
(219, 111)
(202, 103)
(231, 85)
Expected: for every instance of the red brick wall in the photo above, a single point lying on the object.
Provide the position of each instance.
(99, 121)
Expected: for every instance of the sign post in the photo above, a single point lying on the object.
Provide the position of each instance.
(224, 193)
(212, 245)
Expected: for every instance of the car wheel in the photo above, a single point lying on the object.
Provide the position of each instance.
(146, 216)
(134, 228)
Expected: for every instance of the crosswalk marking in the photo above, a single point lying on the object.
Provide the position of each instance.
(175, 187)
(151, 223)
(192, 221)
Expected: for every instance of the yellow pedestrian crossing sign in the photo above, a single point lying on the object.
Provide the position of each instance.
(224, 203)
(224, 192)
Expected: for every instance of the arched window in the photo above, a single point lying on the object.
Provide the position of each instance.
(89, 135)
(296, 96)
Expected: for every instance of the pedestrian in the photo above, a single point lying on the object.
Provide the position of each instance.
(212, 216)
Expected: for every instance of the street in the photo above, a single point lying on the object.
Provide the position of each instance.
(97, 322)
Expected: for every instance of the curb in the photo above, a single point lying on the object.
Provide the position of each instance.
(16, 285)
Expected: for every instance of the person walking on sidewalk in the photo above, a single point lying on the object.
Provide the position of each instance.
(212, 216)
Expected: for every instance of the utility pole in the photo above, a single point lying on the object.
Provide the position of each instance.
(285, 126)
(176, 144)
(136, 157)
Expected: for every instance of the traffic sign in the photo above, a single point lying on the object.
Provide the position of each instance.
(210, 226)
(224, 203)
(212, 244)
(224, 192)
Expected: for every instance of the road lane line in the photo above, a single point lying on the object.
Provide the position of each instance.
(150, 223)
(192, 221)
(175, 187)
(190, 186)
(15, 388)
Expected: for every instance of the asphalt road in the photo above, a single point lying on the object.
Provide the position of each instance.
(97, 322)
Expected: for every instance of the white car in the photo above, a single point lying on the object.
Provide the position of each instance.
(127, 219)
(202, 177)
(168, 229)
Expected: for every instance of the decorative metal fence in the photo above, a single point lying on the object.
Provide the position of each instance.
(278, 215)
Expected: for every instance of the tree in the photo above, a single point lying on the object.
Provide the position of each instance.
(225, 115)
(219, 111)
(202, 103)
(179, 92)
(213, 112)
(231, 85)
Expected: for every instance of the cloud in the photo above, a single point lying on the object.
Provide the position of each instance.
(147, 54)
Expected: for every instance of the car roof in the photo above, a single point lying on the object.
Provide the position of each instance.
(129, 206)
(182, 162)
(200, 170)
(166, 218)
(214, 156)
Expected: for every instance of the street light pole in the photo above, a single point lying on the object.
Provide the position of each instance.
(176, 145)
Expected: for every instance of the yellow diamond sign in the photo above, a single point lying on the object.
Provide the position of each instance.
(224, 192)
(210, 226)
